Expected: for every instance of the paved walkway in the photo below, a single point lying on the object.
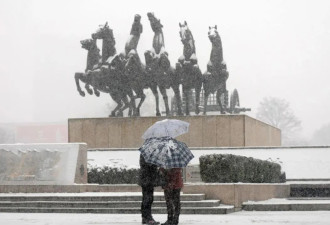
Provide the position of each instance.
(238, 218)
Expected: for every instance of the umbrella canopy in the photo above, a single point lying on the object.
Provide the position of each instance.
(166, 152)
(166, 128)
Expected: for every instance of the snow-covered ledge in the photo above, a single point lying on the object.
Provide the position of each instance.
(43, 164)
(237, 193)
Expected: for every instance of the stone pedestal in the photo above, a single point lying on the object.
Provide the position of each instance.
(204, 131)
(43, 164)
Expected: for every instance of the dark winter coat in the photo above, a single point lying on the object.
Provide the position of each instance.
(149, 175)
(173, 178)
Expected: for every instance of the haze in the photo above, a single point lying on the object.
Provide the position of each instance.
(272, 48)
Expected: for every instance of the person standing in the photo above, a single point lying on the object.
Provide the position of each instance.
(172, 189)
(147, 180)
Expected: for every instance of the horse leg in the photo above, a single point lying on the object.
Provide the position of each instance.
(165, 98)
(119, 105)
(96, 92)
(126, 105)
(197, 97)
(132, 107)
(89, 79)
(94, 79)
(186, 96)
(198, 83)
(177, 94)
(77, 77)
(95, 84)
(206, 97)
(88, 89)
(143, 97)
(155, 92)
(219, 101)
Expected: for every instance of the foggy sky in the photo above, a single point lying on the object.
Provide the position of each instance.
(272, 48)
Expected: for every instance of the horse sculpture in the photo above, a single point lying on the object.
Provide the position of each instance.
(216, 75)
(159, 70)
(93, 58)
(114, 71)
(107, 76)
(188, 68)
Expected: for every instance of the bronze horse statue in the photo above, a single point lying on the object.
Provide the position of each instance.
(112, 73)
(158, 68)
(93, 59)
(187, 67)
(107, 75)
(216, 75)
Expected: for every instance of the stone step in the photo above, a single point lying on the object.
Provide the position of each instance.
(106, 202)
(222, 209)
(86, 198)
(288, 205)
(309, 198)
(102, 204)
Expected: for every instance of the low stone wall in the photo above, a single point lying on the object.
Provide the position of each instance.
(237, 193)
(204, 131)
(43, 164)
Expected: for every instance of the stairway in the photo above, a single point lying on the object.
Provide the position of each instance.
(303, 197)
(112, 203)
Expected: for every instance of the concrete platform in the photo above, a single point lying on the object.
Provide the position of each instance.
(204, 131)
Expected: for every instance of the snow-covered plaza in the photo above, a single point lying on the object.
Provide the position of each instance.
(238, 218)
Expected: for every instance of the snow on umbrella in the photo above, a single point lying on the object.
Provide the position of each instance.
(166, 128)
(166, 152)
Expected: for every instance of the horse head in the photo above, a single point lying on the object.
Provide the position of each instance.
(154, 22)
(88, 44)
(136, 26)
(213, 33)
(104, 32)
(185, 33)
(133, 63)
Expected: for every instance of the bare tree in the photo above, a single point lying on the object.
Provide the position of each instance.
(277, 112)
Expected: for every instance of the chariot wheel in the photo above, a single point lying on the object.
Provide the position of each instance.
(234, 101)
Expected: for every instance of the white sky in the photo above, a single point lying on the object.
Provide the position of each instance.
(272, 48)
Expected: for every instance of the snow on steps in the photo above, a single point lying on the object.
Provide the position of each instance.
(115, 203)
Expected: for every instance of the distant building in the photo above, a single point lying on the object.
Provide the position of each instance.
(34, 133)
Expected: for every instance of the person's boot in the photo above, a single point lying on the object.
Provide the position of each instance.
(149, 221)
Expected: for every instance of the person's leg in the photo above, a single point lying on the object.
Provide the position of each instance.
(147, 200)
(177, 206)
(169, 206)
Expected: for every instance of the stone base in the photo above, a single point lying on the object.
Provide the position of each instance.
(38, 164)
(204, 131)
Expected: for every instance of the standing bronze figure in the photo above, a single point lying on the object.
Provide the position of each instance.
(134, 69)
(158, 68)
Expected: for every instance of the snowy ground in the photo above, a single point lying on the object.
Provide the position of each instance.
(298, 163)
(238, 218)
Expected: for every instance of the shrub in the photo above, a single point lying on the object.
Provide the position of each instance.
(110, 175)
(228, 168)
